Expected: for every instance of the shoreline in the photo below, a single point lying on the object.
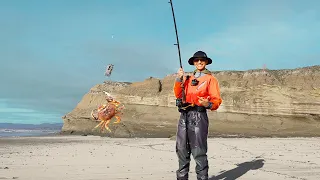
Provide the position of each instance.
(172, 137)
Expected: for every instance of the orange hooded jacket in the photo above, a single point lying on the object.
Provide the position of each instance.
(208, 87)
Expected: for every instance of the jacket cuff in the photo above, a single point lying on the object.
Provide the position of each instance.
(209, 106)
(178, 80)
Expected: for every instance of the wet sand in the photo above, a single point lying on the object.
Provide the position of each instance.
(93, 157)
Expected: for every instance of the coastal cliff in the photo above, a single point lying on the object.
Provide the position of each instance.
(255, 103)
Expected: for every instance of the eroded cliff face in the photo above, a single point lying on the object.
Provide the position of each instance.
(255, 103)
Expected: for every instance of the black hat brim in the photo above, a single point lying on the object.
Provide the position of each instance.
(192, 58)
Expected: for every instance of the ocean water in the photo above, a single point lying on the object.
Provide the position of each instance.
(25, 132)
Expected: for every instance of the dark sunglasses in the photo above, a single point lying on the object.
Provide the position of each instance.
(196, 60)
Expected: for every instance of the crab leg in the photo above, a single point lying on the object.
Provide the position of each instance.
(106, 126)
(99, 124)
(102, 125)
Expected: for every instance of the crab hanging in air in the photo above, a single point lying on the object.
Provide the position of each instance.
(106, 112)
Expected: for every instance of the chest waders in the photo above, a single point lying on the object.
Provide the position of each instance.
(192, 134)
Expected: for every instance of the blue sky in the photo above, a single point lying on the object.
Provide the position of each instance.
(53, 52)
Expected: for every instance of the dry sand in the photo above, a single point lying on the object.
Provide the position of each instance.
(95, 158)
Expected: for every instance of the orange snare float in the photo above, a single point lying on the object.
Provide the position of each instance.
(106, 112)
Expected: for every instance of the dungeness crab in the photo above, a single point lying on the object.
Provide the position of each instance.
(106, 112)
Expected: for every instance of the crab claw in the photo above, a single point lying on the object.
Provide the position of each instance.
(118, 120)
(93, 116)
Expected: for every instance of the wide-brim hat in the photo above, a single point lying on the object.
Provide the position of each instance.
(199, 55)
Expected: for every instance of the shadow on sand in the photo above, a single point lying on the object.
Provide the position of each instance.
(240, 170)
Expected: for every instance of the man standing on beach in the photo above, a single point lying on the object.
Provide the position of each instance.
(202, 93)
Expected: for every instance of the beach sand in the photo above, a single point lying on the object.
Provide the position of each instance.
(95, 158)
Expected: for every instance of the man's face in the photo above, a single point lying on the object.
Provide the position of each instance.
(200, 64)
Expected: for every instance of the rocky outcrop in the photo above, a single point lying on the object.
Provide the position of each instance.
(255, 103)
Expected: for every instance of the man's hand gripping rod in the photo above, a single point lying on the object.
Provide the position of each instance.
(177, 44)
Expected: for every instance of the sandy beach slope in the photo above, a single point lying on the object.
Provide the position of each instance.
(95, 158)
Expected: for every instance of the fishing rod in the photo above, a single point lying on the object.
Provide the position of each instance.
(177, 37)
(178, 45)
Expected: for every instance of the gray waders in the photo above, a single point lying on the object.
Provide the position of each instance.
(192, 134)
